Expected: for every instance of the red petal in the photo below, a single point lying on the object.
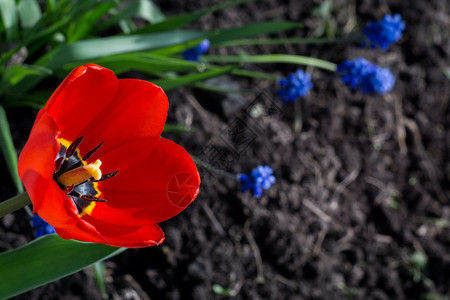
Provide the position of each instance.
(80, 99)
(128, 236)
(139, 111)
(37, 159)
(157, 179)
(36, 166)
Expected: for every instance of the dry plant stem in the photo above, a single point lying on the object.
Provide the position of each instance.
(298, 121)
(14, 203)
(401, 132)
(256, 253)
(213, 219)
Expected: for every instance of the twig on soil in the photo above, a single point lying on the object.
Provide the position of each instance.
(237, 288)
(344, 242)
(418, 246)
(256, 253)
(344, 183)
(298, 119)
(351, 19)
(197, 106)
(428, 166)
(309, 205)
(321, 214)
(213, 219)
(382, 238)
(318, 244)
(286, 281)
(400, 126)
(140, 293)
(385, 189)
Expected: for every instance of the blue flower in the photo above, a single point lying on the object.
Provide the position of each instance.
(296, 85)
(42, 227)
(385, 32)
(260, 179)
(193, 54)
(362, 74)
(381, 81)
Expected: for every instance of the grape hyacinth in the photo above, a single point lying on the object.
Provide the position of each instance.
(260, 179)
(362, 74)
(193, 54)
(43, 227)
(296, 85)
(385, 32)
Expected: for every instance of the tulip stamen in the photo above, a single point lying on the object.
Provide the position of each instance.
(90, 153)
(88, 198)
(73, 147)
(58, 164)
(69, 189)
(106, 176)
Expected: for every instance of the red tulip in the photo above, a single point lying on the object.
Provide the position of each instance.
(95, 166)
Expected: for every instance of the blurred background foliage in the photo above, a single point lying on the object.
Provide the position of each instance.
(40, 39)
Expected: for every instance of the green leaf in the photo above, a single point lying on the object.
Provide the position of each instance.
(88, 50)
(144, 62)
(272, 58)
(419, 260)
(29, 13)
(47, 259)
(8, 150)
(446, 72)
(144, 9)
(16, 73)
(99, 271)
(172, 23)
(170, 84)
(9, 17)
(182, 20)
(260, 28)
(82, 27)
(175, 49)
(50, 6)
(100, 47)
(50, 24)
(177, 128)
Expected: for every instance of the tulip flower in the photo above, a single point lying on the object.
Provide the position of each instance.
(95, 166)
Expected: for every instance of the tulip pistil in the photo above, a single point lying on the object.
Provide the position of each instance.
(81, 174)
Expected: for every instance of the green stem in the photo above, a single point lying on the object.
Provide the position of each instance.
(14, 203)
(213, 169)
(272, 58)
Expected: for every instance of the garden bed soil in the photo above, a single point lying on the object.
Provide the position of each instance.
(362, 191)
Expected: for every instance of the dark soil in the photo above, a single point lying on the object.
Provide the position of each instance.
(361, 191)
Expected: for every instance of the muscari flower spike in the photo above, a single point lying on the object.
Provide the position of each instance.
(362, 74)
(385, 32)
(296, 85)
(193, 54)
(42, 227)
(259, 179)
(95, 166)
